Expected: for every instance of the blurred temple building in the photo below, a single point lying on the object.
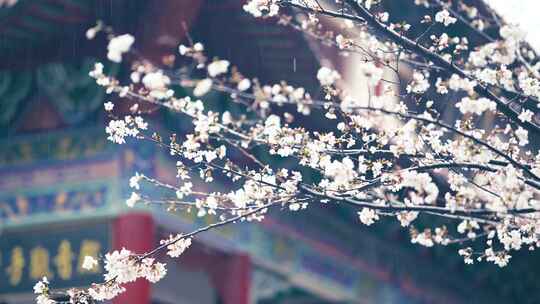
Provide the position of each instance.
(63, 186)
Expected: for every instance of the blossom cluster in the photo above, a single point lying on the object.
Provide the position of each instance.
(123, 266)
(130, 126)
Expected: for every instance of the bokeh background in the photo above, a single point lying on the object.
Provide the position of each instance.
(63, 186)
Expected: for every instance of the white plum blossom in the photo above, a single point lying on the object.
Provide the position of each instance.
(41, 286)
(157, 83)
(419, 84)
(97, 71)
(239, 198)
(444, 18)
(133, 199)
(260, 8)
(91, 33)
(406, 218)
(295, 206)
(218, 67)
(202, 87)
(211, 202)
(501, 259)
(487, 75)
(526, 116)
(368, 216)
(134, 181)
(43, 299)
(108, 106)
(151, 270)
(529, 85)
(120, 265)
(367, 3)
(184, 190)
(457, 83)
(119, 129)
(466, 254)
(198, 47)
(176, 244)
(102, 292)
(89, 262)
(511, 239)
(475, 106)
(244, 84)
(422, 184)
(523, 136)
(424, 239)
(327, 76)
(341, 172)
(184, 50)
(468, 227)
(118, 46)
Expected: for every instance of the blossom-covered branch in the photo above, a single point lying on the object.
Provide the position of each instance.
(394, 154)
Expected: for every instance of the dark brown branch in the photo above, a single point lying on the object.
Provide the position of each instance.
(442, 211)
(450, 128)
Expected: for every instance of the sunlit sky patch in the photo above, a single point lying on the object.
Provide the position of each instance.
(524, 13)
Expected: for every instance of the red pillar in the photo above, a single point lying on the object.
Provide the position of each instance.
(233, 279)
(134, 231)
